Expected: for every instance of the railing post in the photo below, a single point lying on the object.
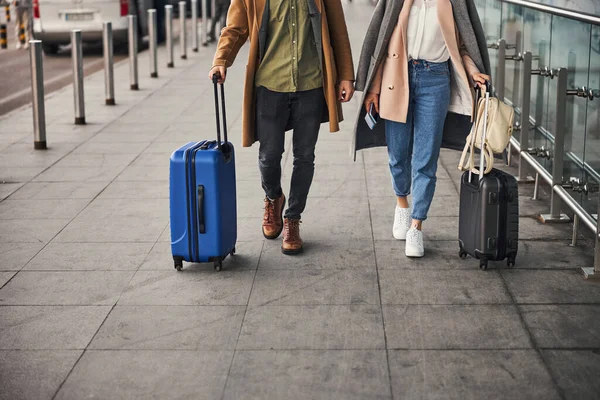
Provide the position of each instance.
(133, 50)
(501, 70)
(523, 175)
(77, 57)
(559, 149)
(195, 25)
(153, 43)
(182, 33)
(109, 79)
(169, 35)
(37, 91)
(594, 272)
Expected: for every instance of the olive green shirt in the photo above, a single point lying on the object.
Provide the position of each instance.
(291, 61)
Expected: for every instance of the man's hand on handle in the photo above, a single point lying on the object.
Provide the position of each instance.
(345, 91)
(220, 70)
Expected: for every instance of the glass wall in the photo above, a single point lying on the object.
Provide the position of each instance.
(555, 42)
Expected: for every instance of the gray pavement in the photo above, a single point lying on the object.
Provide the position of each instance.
(91, 307)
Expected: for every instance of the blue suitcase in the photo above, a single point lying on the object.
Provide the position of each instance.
(203, 199)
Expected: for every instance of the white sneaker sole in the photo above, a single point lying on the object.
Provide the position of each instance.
(414, 253)
(399, 235)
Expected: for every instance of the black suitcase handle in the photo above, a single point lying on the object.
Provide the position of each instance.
(215, 80)
(200, 203)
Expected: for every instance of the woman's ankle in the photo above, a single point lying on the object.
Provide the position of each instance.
(402, 202)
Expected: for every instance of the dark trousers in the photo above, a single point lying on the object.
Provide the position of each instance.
(276, 112)
(220, 12)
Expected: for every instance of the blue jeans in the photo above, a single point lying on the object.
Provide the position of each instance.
(414, 146)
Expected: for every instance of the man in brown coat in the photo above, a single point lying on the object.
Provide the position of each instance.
(299, 71)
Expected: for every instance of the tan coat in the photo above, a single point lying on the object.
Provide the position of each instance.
(244, 21)
(391, 80)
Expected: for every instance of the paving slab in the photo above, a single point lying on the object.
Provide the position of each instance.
(153, 189)
(315, 287)
(34, 374)
(148, 374)
(328, 374)
(65, 288)
(563, 326)
(57, 256)
(576, 372)
(170, 328)
(7, 189)
(246, 258)
(468, 374)
(23, 231)
(312, 327)
(552, 255)
(442, 287)
(81, 174)
(548, 287)
(439, 255)
(192, 286)
(13, 256)
(330, 253)
(454, 327)
(41, 209)
(49, 327)
(5, 277)
(59, 190)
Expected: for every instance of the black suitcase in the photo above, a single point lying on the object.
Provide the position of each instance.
(488, 226)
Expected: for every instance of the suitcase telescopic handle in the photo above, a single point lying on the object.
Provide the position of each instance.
(218, 112)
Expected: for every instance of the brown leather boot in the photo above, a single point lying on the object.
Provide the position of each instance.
(292, 242)
(273, 218)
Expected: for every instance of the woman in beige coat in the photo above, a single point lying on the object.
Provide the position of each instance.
(423, 71)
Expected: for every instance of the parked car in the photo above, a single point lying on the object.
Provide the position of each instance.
(53, 20)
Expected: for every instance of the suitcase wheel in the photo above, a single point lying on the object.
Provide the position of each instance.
(218, 265)
(232, 252)
(178, 263)
(483, 264)
(463, 254)
(510, 263)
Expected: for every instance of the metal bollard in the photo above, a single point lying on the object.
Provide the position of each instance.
(169, 35)
(37, 91)
(536, 186)
(204, 25)
(77, 57)
(182, 33)
(153, 43)
(195, 25)
(7, 12)
(3, 38)
(109, 78)
(133, 50)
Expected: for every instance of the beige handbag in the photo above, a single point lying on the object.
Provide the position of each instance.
(500, 117)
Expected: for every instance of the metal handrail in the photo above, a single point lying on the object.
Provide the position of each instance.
(561, 12)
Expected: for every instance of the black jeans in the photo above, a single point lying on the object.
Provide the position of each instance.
(276, 113)
(220, 12)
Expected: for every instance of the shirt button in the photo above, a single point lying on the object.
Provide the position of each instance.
(293, 24)
(391, 87)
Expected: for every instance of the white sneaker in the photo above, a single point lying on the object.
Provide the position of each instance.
(401, 222)
(19, 45)
(414, 243)
(26, 45)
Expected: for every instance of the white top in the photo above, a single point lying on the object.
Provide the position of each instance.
(425, 40)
